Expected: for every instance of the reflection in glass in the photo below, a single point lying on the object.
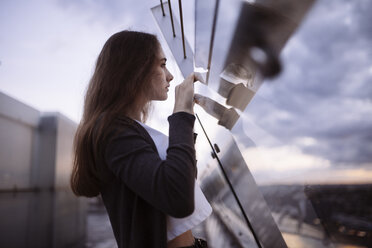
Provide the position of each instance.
(226, 117)
(236, 74)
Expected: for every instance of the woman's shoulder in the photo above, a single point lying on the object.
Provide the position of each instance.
(125, 120)
(111, 125)
(127, 124)
(124, 126)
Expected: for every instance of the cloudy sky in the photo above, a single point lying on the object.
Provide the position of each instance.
(316, 117)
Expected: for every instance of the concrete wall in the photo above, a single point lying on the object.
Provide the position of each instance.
(37, 206)
(18, 131)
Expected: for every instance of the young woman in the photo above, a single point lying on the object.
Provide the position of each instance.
(146, 180)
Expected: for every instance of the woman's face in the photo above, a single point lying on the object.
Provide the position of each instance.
(160, 78)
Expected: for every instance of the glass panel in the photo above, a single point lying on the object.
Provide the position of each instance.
(306, 135)
(253, 216)
(204, 14)
(227, 226)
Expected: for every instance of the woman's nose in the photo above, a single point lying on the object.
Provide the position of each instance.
(169, 77)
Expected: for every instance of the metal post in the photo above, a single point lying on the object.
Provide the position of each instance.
(212, 39)
(171, 16)
(162, 7)
(183, 36)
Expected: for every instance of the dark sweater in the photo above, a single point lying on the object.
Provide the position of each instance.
(146, 188)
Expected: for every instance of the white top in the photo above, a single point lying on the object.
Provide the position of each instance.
(177, 226)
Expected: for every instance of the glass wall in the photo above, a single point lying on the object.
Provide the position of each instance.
(294, 80)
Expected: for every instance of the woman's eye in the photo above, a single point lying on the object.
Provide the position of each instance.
(163, 65)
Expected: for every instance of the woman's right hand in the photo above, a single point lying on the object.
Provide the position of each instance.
(185, 94)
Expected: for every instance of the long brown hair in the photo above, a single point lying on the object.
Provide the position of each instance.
(118, 86)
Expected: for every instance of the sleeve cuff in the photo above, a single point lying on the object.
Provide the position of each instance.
(182, 115)
(181, 125)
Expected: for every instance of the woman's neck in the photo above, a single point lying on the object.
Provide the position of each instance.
(136, 112)
(135, 116)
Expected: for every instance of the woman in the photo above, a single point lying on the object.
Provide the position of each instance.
(147, 186)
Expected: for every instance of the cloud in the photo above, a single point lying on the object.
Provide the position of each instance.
(282, 158)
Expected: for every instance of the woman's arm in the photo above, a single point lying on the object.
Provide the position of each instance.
(168, 184)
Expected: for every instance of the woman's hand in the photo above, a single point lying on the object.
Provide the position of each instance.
(185, 94)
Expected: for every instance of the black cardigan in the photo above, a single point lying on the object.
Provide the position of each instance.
(146, 188)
